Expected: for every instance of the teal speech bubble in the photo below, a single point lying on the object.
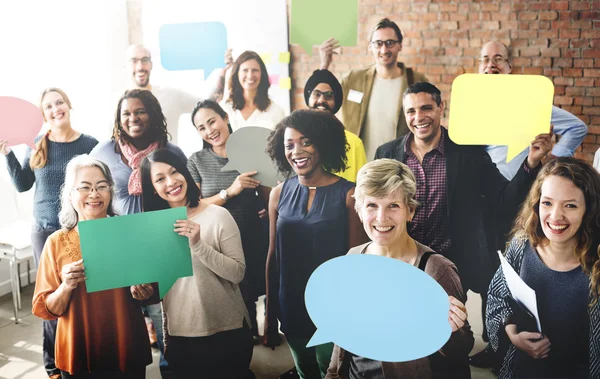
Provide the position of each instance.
(378, 308)
(135, 249)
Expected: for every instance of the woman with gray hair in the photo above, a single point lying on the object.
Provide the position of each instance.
(100, 334)
(385, 202)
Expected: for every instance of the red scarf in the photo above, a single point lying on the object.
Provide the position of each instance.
(135, 157)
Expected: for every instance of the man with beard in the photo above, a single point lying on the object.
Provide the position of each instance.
(373, 95)
(323, 91)
(174, 102)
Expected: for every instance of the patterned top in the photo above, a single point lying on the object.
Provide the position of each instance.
(498, 309)
(430, 223)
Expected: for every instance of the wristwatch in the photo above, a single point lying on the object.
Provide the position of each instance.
(224, 195)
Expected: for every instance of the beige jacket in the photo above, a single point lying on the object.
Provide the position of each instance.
(361, 80)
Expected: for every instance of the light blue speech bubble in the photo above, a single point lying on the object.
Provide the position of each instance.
(378, 308)
(193, 46)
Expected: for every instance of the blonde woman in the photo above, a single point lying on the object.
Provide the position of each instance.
(45, 168)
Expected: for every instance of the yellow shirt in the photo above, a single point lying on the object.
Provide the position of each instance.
(356, 157)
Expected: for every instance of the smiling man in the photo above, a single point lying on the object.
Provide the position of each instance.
(323, 91)
(455, 186)
(373, 95)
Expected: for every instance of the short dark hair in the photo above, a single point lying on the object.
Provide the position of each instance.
(236, 92)
(427, 88)
(386, 23)
(210, 104)
(150, 200)
(323, 129)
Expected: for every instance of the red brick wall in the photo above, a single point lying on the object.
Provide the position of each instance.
(558, 39)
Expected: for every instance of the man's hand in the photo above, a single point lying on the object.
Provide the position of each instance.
(326, 52)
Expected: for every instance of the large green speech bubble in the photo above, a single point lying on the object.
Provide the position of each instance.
(141, 248)
(314, 21)
(500, 110)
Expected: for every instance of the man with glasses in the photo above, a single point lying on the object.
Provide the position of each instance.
(323, 91)
(373, 95)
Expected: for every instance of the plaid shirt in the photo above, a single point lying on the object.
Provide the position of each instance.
(430, 222)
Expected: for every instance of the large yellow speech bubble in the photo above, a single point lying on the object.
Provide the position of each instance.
(500, 110)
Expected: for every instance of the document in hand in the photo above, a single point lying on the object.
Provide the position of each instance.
(520, 291)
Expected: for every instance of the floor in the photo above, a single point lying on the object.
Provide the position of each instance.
(21, 350)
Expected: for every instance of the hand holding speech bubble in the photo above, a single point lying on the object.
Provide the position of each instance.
(310, 27)
(193, 46)
(134, 249)
(22, 121)
(500, 110)
(246, 152)
(393, 311)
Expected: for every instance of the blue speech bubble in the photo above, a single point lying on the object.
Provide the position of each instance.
(193, 46)
(378, 308)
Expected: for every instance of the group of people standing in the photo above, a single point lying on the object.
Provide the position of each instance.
(441, 207)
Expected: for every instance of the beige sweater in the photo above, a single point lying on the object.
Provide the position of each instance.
(210, 301)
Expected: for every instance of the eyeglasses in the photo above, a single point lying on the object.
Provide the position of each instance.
(86, 190)
(144, 60)
(498, 60)
(389, 43)
(327, 95)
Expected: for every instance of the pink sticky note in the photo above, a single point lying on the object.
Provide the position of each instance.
(22, 121)
(274, 79)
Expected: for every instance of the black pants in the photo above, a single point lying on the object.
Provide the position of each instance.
(137, 374)
(38, 238)
(224, 355)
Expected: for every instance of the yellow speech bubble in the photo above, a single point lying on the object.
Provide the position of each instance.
(500, 110)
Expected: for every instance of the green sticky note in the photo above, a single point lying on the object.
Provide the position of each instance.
(141, 248)
(312, 22)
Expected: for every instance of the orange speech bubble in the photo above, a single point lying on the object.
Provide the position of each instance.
(22, 121)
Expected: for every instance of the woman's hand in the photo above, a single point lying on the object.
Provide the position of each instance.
(72, 274)
(228, 60)
(188, 229)
(457, 314)
(242, 182)
(271, 336)
(4, 149)
(142, 291)
(534, 344)
(262, 214)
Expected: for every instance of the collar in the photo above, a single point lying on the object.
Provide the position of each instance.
(440, 147)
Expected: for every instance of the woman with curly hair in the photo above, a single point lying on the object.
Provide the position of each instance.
(312, 220)
(248, 103)
(555, 251)
(140, 128)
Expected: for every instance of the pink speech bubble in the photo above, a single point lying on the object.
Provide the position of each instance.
(22, 121)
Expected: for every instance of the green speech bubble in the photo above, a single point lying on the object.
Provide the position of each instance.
(314, 21)
(135, 249)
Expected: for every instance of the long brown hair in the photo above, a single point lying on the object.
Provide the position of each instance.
(236, 92)
(587, 179)
(39, 159)
(158, 123)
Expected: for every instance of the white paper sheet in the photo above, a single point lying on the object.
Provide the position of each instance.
(519, 289)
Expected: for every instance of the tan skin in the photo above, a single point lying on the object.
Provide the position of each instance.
(311, 176)
(74, 273)
(214, 130)
(135, 122)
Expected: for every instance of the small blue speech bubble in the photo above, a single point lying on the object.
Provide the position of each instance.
(378, 308)
(193, 46)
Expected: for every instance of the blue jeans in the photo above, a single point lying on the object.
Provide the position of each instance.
(155, 314)
(38, 239)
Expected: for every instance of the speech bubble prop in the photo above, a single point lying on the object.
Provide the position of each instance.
(135, 249)
(394, 312)
(500, 110)
(246, 152)
(312, 22)
(193, 46)
(22, 121)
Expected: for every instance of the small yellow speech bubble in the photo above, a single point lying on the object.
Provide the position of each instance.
(500, 110)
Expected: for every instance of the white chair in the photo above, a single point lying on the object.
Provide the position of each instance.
(15, 240)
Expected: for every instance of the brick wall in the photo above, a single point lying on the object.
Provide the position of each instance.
(558, 39)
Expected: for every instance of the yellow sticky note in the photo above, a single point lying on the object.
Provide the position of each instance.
(285, 83)
(266, 57)
(284, 57)
(500, 110)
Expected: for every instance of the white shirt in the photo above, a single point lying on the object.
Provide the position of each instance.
(268, 118)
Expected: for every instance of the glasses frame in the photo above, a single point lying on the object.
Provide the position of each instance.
(92, 189)
(377, 44)
(327, 95)
(498, 60)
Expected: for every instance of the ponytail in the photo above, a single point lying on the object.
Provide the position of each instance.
(40, 157)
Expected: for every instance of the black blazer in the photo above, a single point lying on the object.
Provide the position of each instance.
(475, 191)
